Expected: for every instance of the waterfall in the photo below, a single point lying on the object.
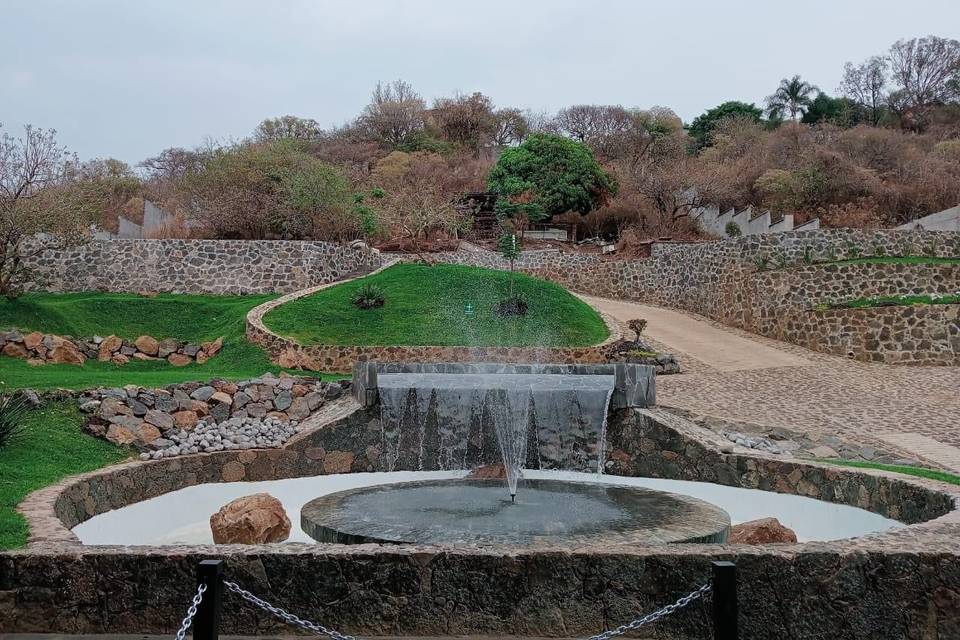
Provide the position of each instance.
(442, 421)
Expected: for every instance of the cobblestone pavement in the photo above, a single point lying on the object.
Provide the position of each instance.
(914, 410)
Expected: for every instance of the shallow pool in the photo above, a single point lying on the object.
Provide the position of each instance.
(183, 517)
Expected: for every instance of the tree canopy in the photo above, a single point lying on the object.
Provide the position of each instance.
(703, 125)
(549, 175)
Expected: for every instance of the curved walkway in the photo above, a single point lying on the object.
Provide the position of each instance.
(735, 375)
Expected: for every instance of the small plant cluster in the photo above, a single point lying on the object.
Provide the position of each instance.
(637, 325)
(369, 296)
(732, 230)
(512, 306)
(13, 411)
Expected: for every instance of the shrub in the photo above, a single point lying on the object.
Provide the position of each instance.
(369, 296)
(733, 230)
(637, 325)
(512, 306)
(13, 411)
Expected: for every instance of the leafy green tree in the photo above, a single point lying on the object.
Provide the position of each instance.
(792, 97)
(548, 175)
(703, 125)
(839, 111)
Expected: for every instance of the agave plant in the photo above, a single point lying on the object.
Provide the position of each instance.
(369, 296)
(13, 410)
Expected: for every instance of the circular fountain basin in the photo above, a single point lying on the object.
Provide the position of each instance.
(480, 512)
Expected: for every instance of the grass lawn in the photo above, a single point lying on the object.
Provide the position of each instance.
(919, 472)
(51, 447)
(426, 305)
(186, 317)
(895, 301)
(896, 260)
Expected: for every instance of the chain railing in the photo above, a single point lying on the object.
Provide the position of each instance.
(191, 611)
(656, 615)
(722, 590)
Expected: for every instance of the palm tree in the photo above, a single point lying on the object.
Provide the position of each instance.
(793, 96)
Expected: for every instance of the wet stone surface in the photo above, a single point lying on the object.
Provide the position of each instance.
(480, 512)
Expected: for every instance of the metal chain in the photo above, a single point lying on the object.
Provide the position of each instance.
(191, 611)
(284, 615)
(653, 617)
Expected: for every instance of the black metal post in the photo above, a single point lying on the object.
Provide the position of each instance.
(725, 601)
(206, 624)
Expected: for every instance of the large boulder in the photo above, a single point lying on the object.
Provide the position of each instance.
(109, 346)
(147, 345)
(256, 519)
(15, 350)
(762, 531)
(66, 353)
(494, 471)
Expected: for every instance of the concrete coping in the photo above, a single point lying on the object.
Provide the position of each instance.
(634, 385)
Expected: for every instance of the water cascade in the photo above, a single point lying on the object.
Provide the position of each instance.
(442, 421)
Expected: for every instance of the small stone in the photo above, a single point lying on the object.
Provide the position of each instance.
(221, 397)
(203, 393)
(119, 359)
(823, 451)
(283, 400)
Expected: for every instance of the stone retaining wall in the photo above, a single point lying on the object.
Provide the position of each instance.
(918, 335)
(900, 584)
(197, 266)
(757, 282)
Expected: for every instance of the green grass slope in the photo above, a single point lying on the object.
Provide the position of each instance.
(426, 305)
(185, 317)
(51, 447)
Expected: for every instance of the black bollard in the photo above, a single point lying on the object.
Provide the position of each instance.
(725, 601)
(206, 624)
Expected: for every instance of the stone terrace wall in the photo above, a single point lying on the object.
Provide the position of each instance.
(755, 282)
(920, 335)
(198, 266)
(900, 584)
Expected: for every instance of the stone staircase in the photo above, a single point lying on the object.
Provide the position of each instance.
(748, 220)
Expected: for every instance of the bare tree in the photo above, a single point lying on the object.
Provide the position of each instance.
(468, 121)
(35, 198)
(394, 113)
(926, 72)
(512, 127)
(865, 84)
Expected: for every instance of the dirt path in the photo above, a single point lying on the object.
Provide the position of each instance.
(735, 375)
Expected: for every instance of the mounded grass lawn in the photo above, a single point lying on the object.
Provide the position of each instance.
(426, 305)
(186, 317)
(895, 301)
(51, 447)
(919, 472)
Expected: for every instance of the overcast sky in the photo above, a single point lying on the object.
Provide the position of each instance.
(130, 78)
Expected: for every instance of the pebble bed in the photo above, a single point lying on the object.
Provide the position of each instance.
(235, 433)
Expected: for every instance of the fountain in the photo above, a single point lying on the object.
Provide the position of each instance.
(453, 416)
